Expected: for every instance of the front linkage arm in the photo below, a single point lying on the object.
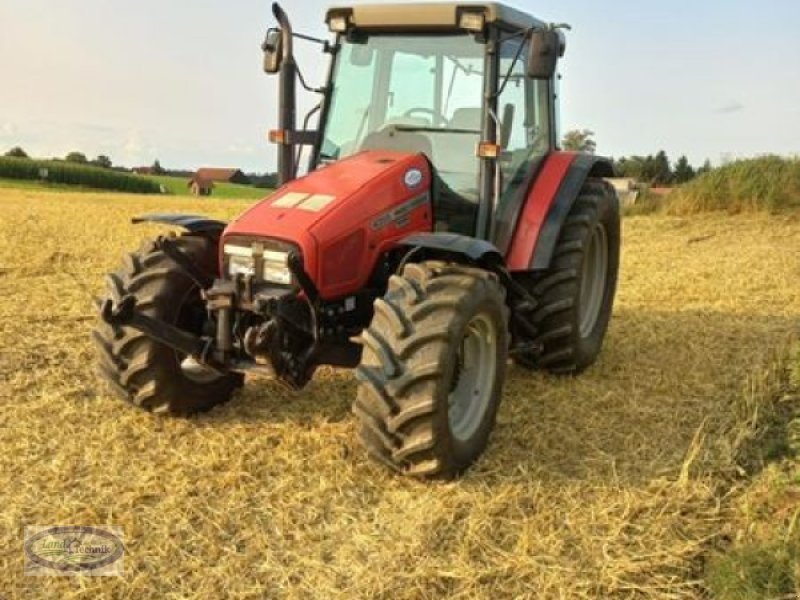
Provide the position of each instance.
(125, 314)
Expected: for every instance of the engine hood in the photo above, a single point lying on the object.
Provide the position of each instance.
(343, 212)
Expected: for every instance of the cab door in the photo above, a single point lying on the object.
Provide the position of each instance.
(525, 113)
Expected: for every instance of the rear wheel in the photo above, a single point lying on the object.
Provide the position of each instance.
(576, 294)
(141, 370)
(433, 369)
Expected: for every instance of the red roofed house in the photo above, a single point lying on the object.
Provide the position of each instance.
(223, 175)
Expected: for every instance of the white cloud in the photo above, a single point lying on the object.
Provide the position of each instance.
(239, 148)
(136, 148)
(8, 130)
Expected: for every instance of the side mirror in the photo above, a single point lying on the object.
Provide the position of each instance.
(545, 48)
(273, 51)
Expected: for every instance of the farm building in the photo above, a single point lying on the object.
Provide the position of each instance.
(200, 186)
(223, 175)
(144, 170)
(626, 188)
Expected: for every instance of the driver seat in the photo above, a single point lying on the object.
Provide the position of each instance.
(394, 140)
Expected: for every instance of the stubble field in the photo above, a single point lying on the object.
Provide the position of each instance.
(617, 484)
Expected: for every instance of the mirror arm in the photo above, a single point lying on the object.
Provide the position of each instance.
(327, 46)
(308, 38)
(320, 90)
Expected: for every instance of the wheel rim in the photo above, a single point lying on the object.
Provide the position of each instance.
(474, 377)
(593, 280)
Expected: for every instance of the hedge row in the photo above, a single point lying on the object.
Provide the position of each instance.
(769, 183)
(75, 174)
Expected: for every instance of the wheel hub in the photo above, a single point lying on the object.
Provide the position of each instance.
(473, 377)
(593, 280)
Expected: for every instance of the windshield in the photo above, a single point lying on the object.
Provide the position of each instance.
(411, 93)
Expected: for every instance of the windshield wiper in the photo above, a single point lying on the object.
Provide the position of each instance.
(434, 129)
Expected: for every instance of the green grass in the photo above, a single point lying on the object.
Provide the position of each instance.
(646, 204)
(179, 186)
(769, 183)
(763, 561)
(26, 184)
(754, 572)
(176, 186)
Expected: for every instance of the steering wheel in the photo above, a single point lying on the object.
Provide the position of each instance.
(425, 111)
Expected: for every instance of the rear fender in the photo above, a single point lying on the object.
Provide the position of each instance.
(191, 223)
(552, 196)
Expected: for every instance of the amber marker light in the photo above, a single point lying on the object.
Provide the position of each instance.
(277, 136)
(489, 150)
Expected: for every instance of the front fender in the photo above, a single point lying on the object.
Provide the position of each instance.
(453, 244)
(191, 223)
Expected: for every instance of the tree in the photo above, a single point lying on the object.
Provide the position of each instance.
(102, 161)
(706, 168)
(662, 171)
(266, 180)
(17, 152)
(654, 170)
(157, 168)
(683, 170)
(628, 167)
(76, 157)
(579, 140)
(641, 168)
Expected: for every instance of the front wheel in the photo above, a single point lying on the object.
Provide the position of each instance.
(433, 369)
(141, 370)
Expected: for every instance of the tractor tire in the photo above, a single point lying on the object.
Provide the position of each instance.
(576, 294)
(145, 372)
(433, 368)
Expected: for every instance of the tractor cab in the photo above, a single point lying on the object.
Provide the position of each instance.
(470, 86)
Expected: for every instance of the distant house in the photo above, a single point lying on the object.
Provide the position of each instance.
(144, 170)
(200, 186)
(223, 175)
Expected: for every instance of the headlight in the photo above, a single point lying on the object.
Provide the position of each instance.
(274, 264)
(276, 267)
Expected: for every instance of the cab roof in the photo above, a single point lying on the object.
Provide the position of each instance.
(430, 15)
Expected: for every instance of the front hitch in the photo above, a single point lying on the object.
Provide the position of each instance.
(125, 314)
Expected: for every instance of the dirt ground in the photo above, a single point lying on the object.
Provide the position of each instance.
(615, 484)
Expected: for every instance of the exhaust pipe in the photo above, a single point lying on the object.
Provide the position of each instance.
(287, 100)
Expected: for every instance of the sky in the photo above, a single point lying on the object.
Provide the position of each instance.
(181, 80)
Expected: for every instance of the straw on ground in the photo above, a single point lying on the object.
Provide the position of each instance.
(614, 484)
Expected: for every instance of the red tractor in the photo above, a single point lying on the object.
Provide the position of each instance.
(438, 232)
